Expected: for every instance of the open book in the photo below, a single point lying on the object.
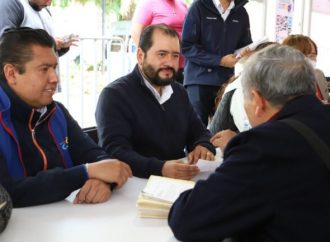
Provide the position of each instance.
(156, 199)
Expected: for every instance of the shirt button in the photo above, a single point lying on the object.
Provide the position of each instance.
(209, 70)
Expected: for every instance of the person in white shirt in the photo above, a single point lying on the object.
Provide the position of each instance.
(230, 117)
(33, 14)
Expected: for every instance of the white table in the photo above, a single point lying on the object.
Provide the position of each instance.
(113, 221)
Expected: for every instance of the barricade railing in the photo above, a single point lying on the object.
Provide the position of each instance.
(86, 69)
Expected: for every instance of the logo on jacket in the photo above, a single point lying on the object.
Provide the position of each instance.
(213, 18)
(65, 144)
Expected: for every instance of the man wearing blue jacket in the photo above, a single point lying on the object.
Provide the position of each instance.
(274, 183)
(44, 154)
(212, 31)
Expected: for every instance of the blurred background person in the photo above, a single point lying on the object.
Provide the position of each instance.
(230, 117)
(33, 14)
(212, 31)
(309, 48)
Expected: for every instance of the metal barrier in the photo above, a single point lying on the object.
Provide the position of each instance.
(86, 69)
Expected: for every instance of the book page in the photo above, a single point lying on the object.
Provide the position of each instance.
(166, 189)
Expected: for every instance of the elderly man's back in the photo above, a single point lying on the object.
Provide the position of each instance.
(272, 185)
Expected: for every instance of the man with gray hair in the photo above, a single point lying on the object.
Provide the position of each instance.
(274, 183)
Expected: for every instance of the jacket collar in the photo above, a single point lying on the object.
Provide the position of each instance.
(240, 3)
(209, 4)
(17, 107)
(296, 106)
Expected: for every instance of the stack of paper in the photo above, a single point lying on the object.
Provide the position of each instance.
(156, 199)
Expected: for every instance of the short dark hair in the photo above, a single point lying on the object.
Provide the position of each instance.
(16, 46)
(146, 42)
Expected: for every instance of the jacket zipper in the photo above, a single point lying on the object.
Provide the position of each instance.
(34, 140)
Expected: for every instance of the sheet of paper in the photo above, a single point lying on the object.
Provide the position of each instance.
(252, 46)
(72, 196)
(166, 189)
(207, 166)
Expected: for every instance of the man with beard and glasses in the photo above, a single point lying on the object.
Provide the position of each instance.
(33, 14)
(145, 118)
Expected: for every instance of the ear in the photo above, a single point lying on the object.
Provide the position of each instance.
(259, 103)
(10, 72)
(140, 56)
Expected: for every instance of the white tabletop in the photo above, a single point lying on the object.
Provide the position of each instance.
(116, 220)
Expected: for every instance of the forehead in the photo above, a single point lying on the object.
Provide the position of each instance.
(41, 54)
(162, 41)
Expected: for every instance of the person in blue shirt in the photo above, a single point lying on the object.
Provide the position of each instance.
(272, 185)
(44, 154)
(212, 31)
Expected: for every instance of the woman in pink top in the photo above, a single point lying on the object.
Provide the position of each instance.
(170, 12)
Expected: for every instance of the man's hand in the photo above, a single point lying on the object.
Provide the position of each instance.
(180, 170)
(222, 138)
(110, 171)
(63, 43)
(245, 52)
(228, 61)
(93, 191)
(200, 152)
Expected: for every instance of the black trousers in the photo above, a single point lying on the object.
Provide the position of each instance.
(202, 99)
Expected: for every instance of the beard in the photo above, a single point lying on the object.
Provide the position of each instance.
(35, 6)
(153, 77)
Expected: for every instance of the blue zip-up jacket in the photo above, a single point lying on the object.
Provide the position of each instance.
(10, 147)
(206, 38)
(41, 158)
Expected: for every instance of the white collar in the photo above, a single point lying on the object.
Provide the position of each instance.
(42, 110)
(224, 14)
(166, 91)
